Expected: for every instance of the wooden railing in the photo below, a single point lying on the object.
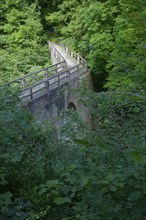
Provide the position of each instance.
(33, 92)
(38, 76)
(34, 85)
(55, 52)
(75, 55)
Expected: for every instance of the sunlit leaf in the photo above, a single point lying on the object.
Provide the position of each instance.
(83, 142)
(138, 157)
(61, 200)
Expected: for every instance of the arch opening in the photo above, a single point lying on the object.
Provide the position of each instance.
(71, 106)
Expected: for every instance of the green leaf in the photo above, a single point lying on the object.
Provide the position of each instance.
(83, 142)
(43, 190)
(100, 143)
(113, 188)
(6, 199)
(53, 182)
(61, 200)
(106, 121)
(135, 195)
(85, 181)
(138, 157)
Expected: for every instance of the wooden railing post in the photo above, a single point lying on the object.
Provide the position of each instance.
(73, 54)
(31, 94)
(47, 73)
(59, 80)
(77, 69)
(47, 84)
(58, 56)
(35, 76)
(69, 78)
(23, 83)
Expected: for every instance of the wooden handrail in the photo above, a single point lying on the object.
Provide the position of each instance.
(50, 69)
(55, 52)
(75, 55)
(72, 73)
(44, 81)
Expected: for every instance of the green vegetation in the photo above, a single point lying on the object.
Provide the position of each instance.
(75, 172)
(23, 40)
(110, 35)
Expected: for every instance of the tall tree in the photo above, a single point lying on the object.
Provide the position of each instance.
(110, 35)
(23, 40)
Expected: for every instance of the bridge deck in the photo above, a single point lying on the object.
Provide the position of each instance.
(71, 62)
(68, 66)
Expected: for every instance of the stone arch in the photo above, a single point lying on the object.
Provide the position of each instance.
(71, 105)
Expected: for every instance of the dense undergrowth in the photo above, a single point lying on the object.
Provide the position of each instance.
(74, 172)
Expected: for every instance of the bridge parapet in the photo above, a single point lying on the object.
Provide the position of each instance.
(56, 53)
(48, 92)
(75, 55)
(42, 87)
(38, 76)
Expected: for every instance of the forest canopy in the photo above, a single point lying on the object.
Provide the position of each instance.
(23, 40)
(111, 36)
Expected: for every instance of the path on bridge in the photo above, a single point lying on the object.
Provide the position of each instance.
(70, 62)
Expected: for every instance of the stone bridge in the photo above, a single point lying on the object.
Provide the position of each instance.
(49, 91)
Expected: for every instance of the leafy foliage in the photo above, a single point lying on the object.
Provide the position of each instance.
(23, 40)
(106, 180)
(111, 36)
(24, 156)
(75, 171)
